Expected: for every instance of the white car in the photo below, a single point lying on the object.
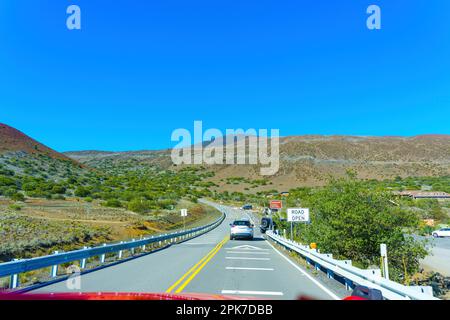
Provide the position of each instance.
(241, 229)
(445, 232)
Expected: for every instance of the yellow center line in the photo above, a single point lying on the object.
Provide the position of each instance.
(194, 274)
(212, 252)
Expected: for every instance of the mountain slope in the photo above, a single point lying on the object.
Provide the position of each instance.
(12, 140)
(310, 160)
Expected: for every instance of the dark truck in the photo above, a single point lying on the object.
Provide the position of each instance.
(266, 223)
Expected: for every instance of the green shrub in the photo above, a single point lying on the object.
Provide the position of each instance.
(17, 197)
(82, 192)
(113, 203)
(139, 206)
(15, 207)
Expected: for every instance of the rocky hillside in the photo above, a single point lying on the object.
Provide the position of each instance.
(21, 154)
(310, 160)
(12, 140)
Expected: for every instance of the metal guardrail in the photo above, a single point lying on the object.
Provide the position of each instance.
(14, 268)
(371, 277)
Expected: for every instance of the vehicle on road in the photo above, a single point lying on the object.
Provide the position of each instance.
(266, 223)
(241, 229)
(247, 207)
(444, 232)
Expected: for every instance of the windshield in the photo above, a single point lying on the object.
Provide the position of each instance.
(236, 149)
(241, 223)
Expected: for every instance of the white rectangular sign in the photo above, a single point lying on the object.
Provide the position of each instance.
(298, 215)
(184, 212)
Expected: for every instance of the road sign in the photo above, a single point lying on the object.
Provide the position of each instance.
(298, 215)
(184, 212)
(276, 204)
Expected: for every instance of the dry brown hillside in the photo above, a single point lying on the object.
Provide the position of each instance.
(310, 160)
(12, 140)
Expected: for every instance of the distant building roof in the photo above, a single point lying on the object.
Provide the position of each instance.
(424, 194)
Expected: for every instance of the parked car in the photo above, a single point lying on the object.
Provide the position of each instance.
(241, 229)
(444, 232)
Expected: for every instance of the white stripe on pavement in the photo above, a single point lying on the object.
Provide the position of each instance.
(246, 252)
(253, 269)
(252, 293)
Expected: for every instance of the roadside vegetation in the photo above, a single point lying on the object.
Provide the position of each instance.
(350, 218)
(350, 221)
(44, 209)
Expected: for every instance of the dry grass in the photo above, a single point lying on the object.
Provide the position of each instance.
(43, 226)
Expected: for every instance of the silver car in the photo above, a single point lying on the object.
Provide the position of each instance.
(241, 229)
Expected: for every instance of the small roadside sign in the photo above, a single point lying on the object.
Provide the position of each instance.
(184, 212)
(298, 214)
(276, 204)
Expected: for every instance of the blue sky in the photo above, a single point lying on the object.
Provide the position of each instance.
(140, 69)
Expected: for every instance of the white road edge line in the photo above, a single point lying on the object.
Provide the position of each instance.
(263, 293)
(246, 258)
(255, 269)
(321, 286)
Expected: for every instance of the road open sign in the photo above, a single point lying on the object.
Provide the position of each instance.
(184, 212)
(276, 204)
(298, 215)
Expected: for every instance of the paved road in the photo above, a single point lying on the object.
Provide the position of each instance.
(210, 264)
(439, 259)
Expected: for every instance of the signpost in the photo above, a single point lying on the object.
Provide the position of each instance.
(384, 259)
(184, 215)
(297, 215)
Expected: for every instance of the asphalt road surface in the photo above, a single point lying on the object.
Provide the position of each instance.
(439, 259)
(210, 264)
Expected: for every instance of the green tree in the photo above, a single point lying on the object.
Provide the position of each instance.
(17, 197)
(82, 192)
(350, 221)
(139, 206)
(113, 203)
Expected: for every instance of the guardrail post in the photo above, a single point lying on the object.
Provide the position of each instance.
(103, 256)
(14, 279)
(308, 261)
(143, 246)
(54, 271)
(330, 274)
(83, 261)
(132, 249)
(120, 252)
(348, 284)
(317, 267)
